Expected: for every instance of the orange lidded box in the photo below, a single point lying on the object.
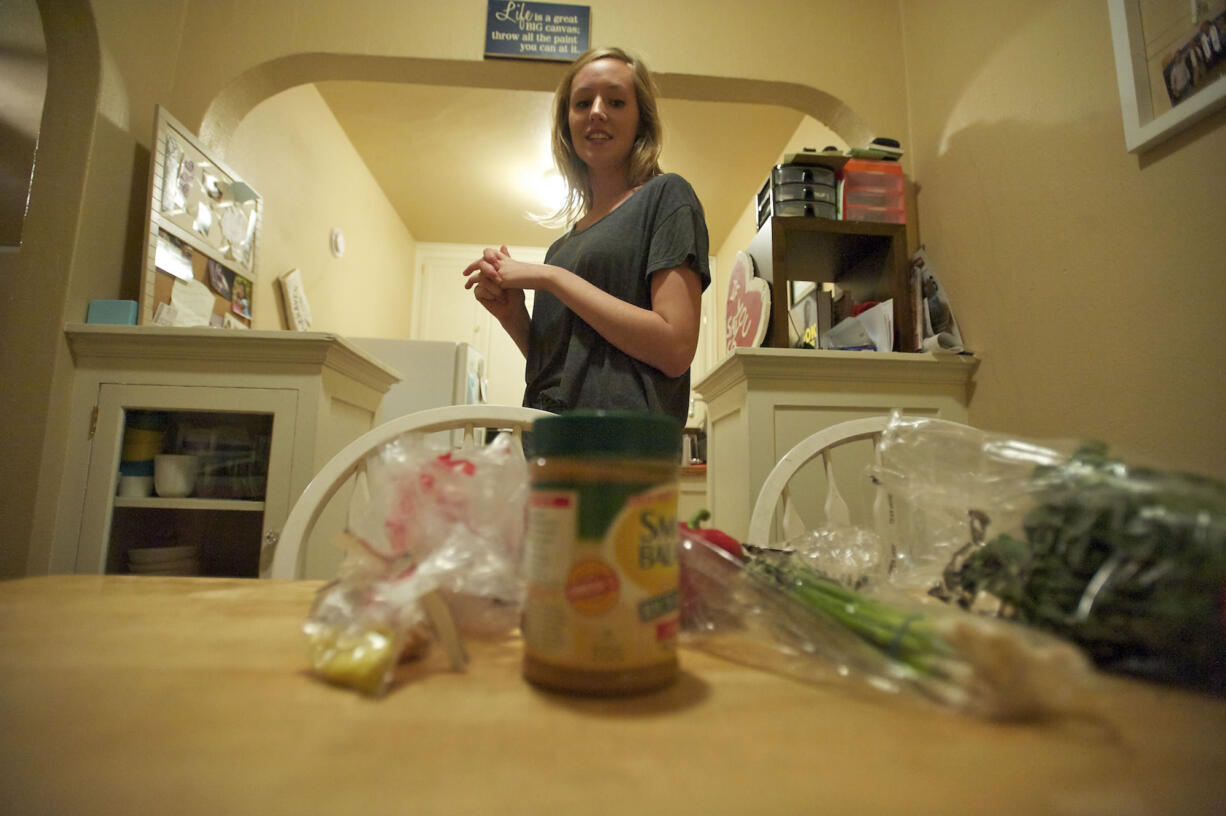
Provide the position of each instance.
(872, 191)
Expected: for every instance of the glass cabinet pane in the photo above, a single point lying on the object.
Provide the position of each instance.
(231, 446)
(179, 471)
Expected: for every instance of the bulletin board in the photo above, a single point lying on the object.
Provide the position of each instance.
(203, 224)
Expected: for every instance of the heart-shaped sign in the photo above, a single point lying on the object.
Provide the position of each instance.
(747, 314)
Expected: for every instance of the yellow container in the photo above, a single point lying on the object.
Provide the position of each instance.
(140, 444)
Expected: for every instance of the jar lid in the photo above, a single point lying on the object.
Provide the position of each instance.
(607, 433)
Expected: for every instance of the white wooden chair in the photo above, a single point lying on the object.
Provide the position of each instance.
(776, 487)
(350, 461)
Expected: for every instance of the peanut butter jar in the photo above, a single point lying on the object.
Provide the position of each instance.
(601, 614)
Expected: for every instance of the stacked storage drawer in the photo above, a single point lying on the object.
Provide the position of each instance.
(798, 189)
(873, 191)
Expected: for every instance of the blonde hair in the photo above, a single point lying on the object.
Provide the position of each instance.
(648, 141)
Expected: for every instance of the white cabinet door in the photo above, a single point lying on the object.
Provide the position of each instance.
(114, 400)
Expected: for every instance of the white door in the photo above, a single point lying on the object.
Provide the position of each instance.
(445, 310)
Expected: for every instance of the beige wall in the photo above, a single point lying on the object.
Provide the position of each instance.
(1091, 281)
(34, 366)
(1056, 246)
(293, 151)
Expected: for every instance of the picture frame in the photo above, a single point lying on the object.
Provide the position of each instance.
(798, 290)
(1149, 115)
(295, 306)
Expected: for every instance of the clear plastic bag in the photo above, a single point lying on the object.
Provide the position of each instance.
(774, 611)
(433, 554)
(1127, 562)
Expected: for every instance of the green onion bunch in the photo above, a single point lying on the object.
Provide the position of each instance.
(901, 635)
(977, 665)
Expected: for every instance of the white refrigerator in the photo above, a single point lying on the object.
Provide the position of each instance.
(433, 373)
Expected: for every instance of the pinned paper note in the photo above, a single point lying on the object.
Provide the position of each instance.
(193, 303)
(879, 323)
(240, 191)
(234, 221)
(204, 218)
(166, 315)
(872, 329)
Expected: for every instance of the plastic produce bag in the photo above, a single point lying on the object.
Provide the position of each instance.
(1127, 562)
(775, 611)
(434, 554)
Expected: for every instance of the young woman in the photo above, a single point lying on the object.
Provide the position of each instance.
(616, 312)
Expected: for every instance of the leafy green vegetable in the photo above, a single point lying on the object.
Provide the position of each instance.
(1130, 564)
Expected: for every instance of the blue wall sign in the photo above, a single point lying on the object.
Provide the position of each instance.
(541, 31)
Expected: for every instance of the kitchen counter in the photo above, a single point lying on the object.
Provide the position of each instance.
(123, 694)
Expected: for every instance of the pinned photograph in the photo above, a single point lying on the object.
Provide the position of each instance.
(172, 256)
(212, 186)
(173, 198)
(1197, 62)
(240, 300)
(183, 179)
(221, 279)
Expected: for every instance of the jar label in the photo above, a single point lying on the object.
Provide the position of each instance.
(602, 571)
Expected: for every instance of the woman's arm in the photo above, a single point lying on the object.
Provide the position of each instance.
(664, 336)
(515, 322)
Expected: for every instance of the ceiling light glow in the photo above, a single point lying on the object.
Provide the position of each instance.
(551, 190)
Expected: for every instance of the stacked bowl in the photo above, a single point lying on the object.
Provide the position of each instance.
(184, 560)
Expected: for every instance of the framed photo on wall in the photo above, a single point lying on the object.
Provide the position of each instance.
(1170, 62)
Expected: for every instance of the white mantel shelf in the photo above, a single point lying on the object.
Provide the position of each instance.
(102, 346)
(811, 365)
(762, 401)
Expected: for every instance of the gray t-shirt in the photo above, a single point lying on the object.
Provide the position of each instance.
(569, 364)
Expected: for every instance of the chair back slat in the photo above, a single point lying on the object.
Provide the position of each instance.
(778, 491)
(835, 506)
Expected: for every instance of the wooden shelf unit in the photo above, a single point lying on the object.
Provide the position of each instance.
(867, 258)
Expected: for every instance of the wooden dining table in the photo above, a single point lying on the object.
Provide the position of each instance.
(151, 695)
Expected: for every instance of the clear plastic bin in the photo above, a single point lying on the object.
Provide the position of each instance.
(868, 197)
(890, 215)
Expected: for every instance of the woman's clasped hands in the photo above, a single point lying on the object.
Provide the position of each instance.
(486, 280)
